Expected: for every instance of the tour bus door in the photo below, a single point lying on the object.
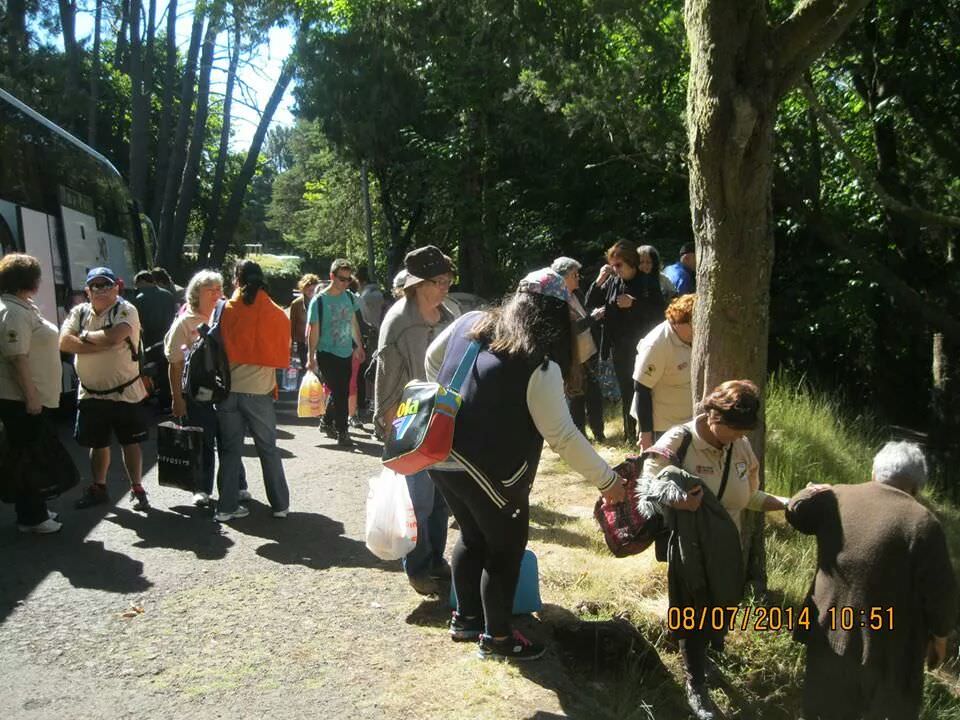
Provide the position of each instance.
(40, 240)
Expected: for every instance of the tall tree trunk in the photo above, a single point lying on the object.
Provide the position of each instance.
(189, 180)
(166, 114)
(739, 69)
(231, 216)
(68, 26)
(368, 221)
(216, 196)
(138, 119)
(14, 32)
(120, 50)
(94, 78)
(148, 56)
(178, 151)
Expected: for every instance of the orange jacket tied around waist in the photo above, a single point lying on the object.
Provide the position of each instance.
(257, 334)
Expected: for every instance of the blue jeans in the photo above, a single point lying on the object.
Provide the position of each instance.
(203, 415)
(256, 412)
(431, 511)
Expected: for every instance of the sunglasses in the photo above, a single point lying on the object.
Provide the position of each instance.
(100, 287)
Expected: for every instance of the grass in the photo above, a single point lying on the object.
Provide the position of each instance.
(810, 439)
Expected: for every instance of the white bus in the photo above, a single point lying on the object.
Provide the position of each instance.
(65, 204)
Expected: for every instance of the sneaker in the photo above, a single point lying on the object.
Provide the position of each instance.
(700, 702)
(516, 647)
(280, 513)
(244, 496)
(138, 496)
(201, 499)
(45, 528)
(328, 429)
(51, 515)
(93, 494)
(345, 441)
(355, 422)
(240, 512)
(425, 585)
(464, 629)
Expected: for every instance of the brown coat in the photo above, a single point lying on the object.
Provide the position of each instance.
(877, 547)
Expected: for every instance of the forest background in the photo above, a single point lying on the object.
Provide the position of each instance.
(508, 133)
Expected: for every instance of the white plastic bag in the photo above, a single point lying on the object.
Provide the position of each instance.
(391, 523)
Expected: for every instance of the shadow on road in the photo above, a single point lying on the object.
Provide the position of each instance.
(187, 529)
(309, 539)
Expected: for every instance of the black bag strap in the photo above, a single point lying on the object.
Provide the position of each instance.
(726, 473)
(684, 444)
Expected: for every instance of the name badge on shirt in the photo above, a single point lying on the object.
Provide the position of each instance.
(704, 470)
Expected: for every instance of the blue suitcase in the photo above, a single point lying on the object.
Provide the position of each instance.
(527, 598)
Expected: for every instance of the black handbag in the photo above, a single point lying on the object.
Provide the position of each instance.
(41, 467)
(180, 456)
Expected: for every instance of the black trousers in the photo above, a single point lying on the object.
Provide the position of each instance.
(588, 406)
(21, 427)
(624, 356)
(336, 374)
(486, 559)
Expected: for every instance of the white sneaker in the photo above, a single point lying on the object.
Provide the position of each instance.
(244, 495)
(45, 528)
(280, 513)
(240, 512)
(201, 499)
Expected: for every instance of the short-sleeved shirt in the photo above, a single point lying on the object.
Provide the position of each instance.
(663, 365)
(114, 366)
(182, 332)
(336, 328)
(706, 462)
(26, 332)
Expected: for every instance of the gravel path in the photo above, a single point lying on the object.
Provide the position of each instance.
(257, 618)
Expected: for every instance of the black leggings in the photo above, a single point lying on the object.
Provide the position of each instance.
(624, 358)
(486, 559)
(588, 406)
(336, 374)
(21, 428)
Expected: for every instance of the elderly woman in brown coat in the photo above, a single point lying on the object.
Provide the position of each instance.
(884, 596)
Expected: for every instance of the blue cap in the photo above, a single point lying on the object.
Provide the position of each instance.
(101, 272)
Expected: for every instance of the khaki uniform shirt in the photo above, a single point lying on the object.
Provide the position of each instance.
(663, 365)
(114, 366)
(26, 332)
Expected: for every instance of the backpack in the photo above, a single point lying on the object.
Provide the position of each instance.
(145, 370)
(625, 530)
(206, 371)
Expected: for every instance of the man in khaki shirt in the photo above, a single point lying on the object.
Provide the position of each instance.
(104, 335)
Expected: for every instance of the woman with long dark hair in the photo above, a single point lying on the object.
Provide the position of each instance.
(512, 400)
(633, 304)
(256, 336)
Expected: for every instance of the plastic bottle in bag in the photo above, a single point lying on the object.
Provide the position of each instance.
(291, 376)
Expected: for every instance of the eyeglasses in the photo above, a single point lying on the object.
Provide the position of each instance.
(343, 278)
(442, 282)
(100, 287)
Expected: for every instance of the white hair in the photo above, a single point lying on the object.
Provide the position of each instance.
(900, 461)
(200, 280)
(562, 265)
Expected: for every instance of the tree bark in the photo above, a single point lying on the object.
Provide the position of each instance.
(231, 216)
(178, 151)
(216, 193)
(368, 221)
(189, 179)
(138, 119)
(14, 30)
(92, 113)
(120, 50)
(68, 26)
(166, 114)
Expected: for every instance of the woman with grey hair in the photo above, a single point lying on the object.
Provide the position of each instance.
(901, 465)
(587, 405)
(203, 291)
